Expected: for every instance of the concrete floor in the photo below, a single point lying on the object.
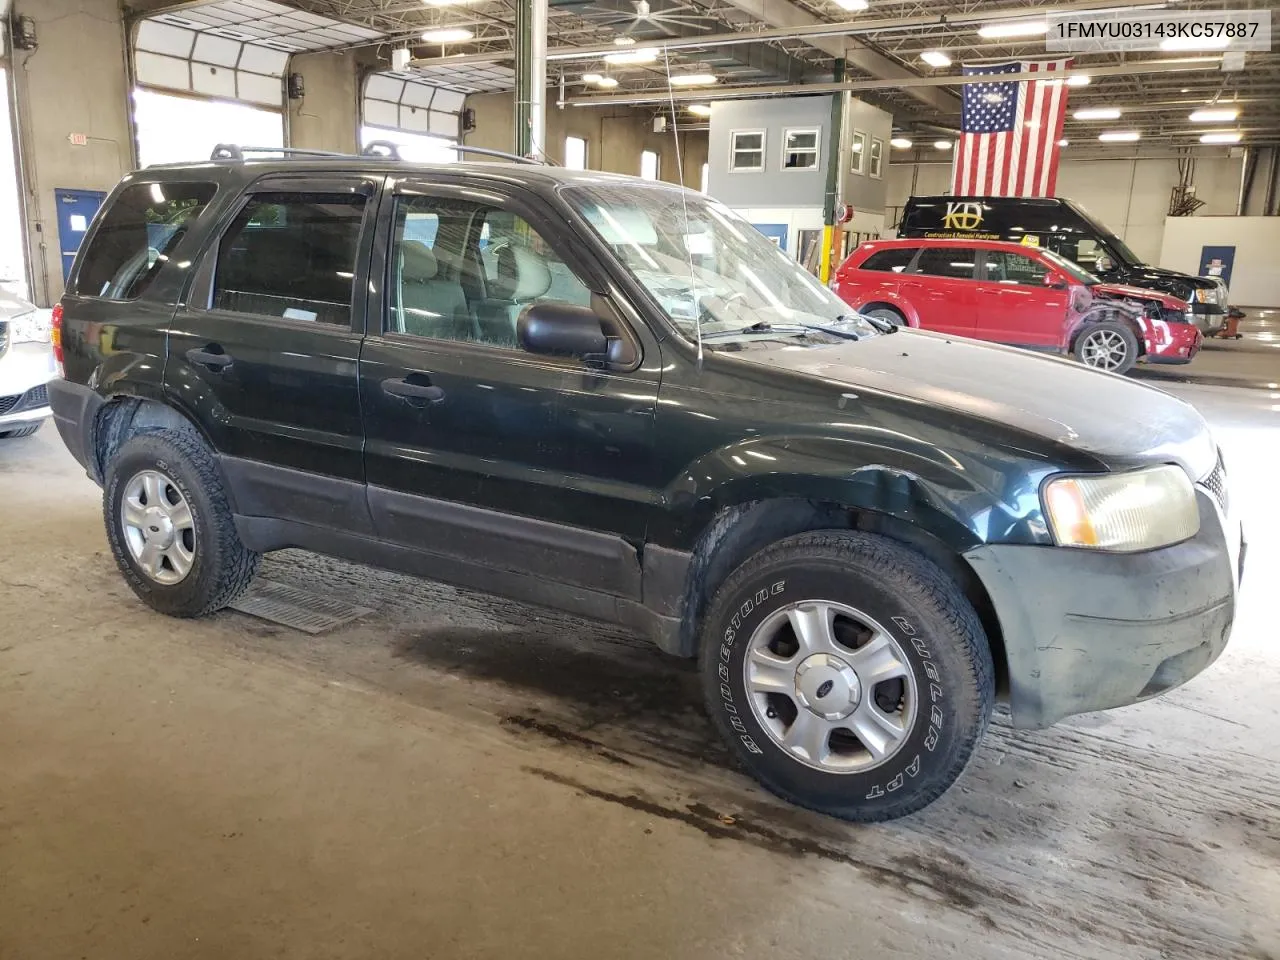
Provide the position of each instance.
(456, 776)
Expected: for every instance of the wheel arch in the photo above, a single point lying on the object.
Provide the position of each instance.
(125, 415)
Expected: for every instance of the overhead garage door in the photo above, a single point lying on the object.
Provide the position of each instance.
(423, 120)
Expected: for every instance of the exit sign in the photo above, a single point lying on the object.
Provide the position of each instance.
(78, 139)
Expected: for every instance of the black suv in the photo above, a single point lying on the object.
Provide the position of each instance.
(615, 398)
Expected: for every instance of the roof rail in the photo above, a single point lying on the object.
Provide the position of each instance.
(231, 151)
(486, 152)
(381, 150)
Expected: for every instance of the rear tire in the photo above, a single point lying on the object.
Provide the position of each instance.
(881, 723)
(21, 432)
(171, 528)
(886, 313)
(1107, 346)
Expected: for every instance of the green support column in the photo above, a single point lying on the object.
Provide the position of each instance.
(522, 141)
(831, 198)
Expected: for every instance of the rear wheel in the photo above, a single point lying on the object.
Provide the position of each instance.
(1107, 346)
(886, 313)
(847, 673)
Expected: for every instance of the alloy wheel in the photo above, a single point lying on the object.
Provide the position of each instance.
(158, 527)
(1104, 349)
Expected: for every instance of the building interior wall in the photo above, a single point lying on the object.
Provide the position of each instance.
(326, 117)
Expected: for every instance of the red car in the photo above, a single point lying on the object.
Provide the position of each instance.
(1017, 294)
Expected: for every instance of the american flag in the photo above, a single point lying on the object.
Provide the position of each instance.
(1010, 131)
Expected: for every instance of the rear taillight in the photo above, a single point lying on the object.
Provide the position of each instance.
(55, 336)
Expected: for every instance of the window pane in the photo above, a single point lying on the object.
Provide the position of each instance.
(1004, 267)
(877, 151)
(142, 226)
(956, 262)
(291, 255)
(802, 140)
(472, 279)
(575, 153)
(648, 165)
(894, 259)
(748, 141)
(748, 159)
(800, 149)
(858, 150)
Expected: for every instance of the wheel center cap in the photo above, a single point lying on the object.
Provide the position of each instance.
(827, 686)
(157, 528)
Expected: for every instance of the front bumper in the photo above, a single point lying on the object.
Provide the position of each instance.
(1172, 343)
(1087, 630)
(25, 368)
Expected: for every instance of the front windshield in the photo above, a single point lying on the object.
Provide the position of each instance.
(1073, 270)
(1115, 243)
(705, 265)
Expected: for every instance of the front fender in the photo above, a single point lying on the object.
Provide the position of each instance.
(926, 491)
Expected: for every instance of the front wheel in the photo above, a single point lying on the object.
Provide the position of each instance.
(847, 673)
(1107, 346)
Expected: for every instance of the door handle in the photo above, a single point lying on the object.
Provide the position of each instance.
(213, 358)
(409, 390)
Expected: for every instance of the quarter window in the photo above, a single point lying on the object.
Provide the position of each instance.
(746, 150)
(478, 272)
(137, 233)
(800, 149)
(291, 256)
(1014, 268)
(893, 260)
(954, 262)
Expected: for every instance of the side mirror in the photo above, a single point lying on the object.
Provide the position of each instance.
(563, 329)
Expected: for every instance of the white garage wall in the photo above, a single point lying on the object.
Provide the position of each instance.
(1129, 196)
(1255, 273)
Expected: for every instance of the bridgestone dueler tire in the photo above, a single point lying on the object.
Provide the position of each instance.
(223, 568)
(919, 605)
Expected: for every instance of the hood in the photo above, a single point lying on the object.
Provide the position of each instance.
(1116, 420)
(1128, 291)
(1144, 271)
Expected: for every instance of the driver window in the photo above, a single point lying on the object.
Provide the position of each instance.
(465, 271)
(1014, 268)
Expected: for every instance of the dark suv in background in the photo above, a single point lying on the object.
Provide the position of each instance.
(616, 398)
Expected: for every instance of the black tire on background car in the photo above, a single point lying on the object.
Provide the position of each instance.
(847, 673)
(884, 312)
(170, 526)
(1108, 345)
(20, 432)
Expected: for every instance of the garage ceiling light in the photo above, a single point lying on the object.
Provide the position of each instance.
(1120, 136)
(1063, 143)
(1079, 80)
(1223, 136)
(1195, 43)
(600, 80)
(936, 58)
(700, 109)
(1214, 115)
(448, 35)
(632, 56)
(624, 41)
(446, 3)
(1098, 113)
(901, 143)
(693, 80)
(1019, 28)
(942, 144)
(852, 6)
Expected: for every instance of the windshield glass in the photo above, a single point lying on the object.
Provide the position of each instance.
(703, 263)
(1073, 270)
(1115, 243)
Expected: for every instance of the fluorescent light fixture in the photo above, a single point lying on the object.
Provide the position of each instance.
(900, 143)
(592, 77)
(852, 6)
(607, 83)
(700, 109)
(1120, 136)
(448, 35)
(632, 56)
(1079, 80)
(1195, 43)
(942, 144)
(624, 41)
(1018, 28)
(1215, 115)
(1063, 143)
(1098, 113)
(446, 3)
(694, 80)
(936, 58)
(1222, 136)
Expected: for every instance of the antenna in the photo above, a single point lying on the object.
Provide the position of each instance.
(684, 201)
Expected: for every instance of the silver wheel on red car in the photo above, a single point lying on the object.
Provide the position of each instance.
(1107, 346)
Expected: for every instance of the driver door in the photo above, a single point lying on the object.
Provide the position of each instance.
(475, 447)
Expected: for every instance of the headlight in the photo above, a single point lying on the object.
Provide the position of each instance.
(1206, 296)
(30, 328)
(1122, 512)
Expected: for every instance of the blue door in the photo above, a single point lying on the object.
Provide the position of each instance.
(1217, 262)
(76, 209)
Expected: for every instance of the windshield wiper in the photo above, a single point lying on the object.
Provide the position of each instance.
(765, 328)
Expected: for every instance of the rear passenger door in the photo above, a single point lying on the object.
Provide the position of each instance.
(942, 289)
(264, 353)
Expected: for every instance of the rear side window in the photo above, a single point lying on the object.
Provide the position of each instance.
(894, 260)
(954, 262)
(291, 256)
(137, 234)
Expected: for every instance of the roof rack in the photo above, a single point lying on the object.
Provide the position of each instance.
(374, 150)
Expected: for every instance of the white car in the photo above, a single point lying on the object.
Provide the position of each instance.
(26, 366)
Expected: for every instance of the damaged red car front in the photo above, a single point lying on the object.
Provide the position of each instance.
(1163, 325)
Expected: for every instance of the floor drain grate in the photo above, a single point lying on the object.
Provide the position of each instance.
(296, 608)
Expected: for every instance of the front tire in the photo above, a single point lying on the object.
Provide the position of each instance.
(1107, 346)
(171, 528)
(847, 673)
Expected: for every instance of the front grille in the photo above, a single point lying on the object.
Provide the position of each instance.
(4, 337)
(33, 399)
(1216, 484)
